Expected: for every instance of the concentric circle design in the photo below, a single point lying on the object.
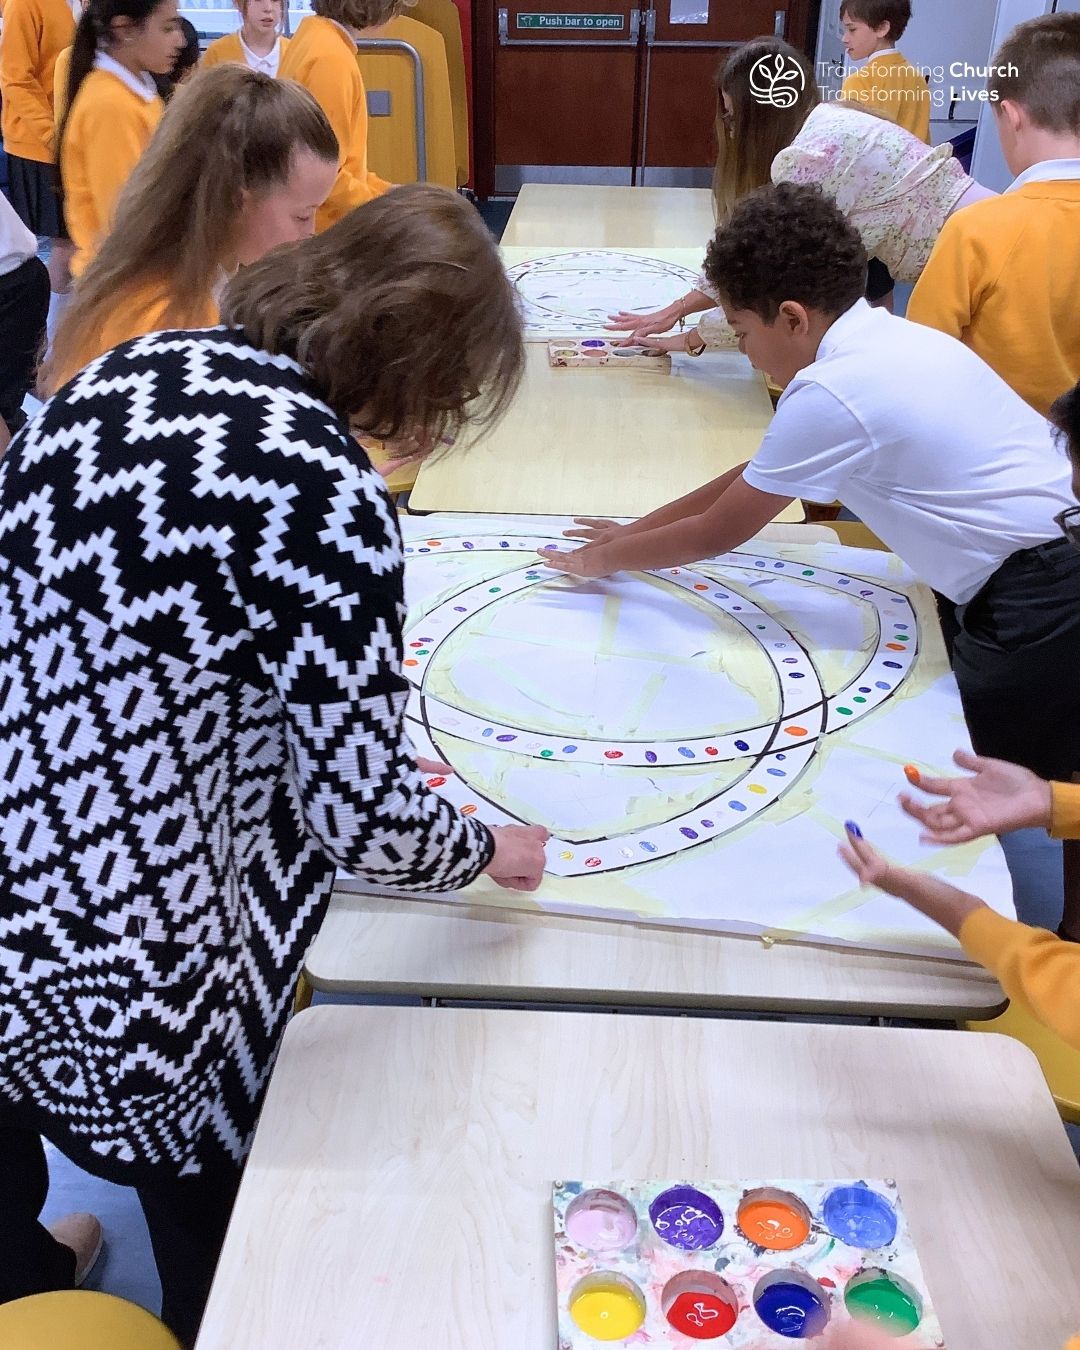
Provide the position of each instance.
(776, 755)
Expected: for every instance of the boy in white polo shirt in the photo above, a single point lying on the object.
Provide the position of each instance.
(24, 306)
(922, 441)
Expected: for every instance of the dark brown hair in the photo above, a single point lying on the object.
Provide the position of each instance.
(358, 13)
(1065, 415)
(401, 314)
(787, 241)
(1038, 66)
(896, 13)
(228, 131)
(749, 140)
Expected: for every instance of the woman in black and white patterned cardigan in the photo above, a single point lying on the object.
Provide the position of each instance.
(201, 706)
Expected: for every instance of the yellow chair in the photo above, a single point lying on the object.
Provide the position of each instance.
(392, 139)
(77, 1319)
(444, 17)
(1059, 1062)
(857, 535)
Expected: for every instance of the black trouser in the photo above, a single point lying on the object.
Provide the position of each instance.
(24, 309)
(186, 1216)
(1017, 661)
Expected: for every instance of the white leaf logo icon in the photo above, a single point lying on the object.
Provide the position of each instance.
(777, 81)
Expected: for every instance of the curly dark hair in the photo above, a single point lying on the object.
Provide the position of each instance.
(787, 241)
(1065, 415)
(896, 13)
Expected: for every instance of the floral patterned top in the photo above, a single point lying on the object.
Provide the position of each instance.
(896, 191)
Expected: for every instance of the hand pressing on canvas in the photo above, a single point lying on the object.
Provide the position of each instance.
(593, 530)
(678, 342)
(999, 798)
(642, 326)
(518, 864)
(939, 901)
(434, 766)
(584, 562)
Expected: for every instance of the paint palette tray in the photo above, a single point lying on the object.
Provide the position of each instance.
(739, 1264)
(600, 352)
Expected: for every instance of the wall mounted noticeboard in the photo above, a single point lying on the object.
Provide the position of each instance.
(607, 22)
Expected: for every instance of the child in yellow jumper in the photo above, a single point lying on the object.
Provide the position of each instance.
(322, 57)
(258, 43)
(1004, 276)
(887, 84)
(112, 108)
(1038, 970)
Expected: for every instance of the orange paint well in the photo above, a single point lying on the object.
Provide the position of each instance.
(773, 1225)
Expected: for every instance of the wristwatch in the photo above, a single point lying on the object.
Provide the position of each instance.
(695, 343)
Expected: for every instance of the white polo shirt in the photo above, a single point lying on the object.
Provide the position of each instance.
(16, 242)
(925, 443)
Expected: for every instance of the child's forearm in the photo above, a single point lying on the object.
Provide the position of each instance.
(693, 302)
(682, 541)
(693, 504)
(945, 904)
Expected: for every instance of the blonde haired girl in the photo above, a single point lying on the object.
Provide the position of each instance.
(258, 43)
(239, 165)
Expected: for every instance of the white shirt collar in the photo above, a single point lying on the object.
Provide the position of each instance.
(842, 327)
(1048, 171)
(268, 64)
(141, 84)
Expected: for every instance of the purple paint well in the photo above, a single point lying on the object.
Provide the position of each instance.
(687, 1218)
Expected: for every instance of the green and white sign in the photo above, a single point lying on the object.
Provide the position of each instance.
(607, 22)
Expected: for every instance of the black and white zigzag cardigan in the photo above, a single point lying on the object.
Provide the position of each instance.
(201, 709)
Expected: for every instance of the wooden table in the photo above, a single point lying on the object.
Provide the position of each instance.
(611, 217)
(606, 442)
(398, 1193)
(377, 945)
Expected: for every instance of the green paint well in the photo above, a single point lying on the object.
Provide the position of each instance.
(885, 1304)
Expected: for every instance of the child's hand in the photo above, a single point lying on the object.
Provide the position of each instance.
(858, 1336)
(1001, 797)
(658, 344)
(941, 902)
(871, 867)
(593, 530)
(644, 325)
(578, 562)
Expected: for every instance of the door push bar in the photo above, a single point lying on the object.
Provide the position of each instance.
(394, 45)
(505, 40)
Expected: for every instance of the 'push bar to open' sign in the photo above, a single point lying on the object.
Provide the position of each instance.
(577, 21)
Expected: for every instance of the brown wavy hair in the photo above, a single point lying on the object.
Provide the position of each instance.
(749, 140)
(896, 13)
(359, 13)
(228, 130)
(401, 314)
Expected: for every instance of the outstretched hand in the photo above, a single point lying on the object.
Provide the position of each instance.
(644, 325)
(578, 562)
(999, 798)
(593, 529)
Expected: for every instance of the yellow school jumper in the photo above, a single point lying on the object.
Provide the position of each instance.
(35, 33)
(1004, 278)
(231, 48)
(60, 83)
(109, 127)
(891, 86)
(322, 57)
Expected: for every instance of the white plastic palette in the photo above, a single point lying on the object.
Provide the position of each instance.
(759, 1264)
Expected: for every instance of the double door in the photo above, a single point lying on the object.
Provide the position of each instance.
(611, 91)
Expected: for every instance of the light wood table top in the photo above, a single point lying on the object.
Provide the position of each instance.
(573, 216)
(606, 442)
(378, 945)
(399, 1189)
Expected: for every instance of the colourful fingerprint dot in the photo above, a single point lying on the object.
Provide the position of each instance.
(422, 651)
(736, 609)
(566, 855)
(416, 644)
(466, 544)
(690, 834)
(756, 787)
(777, 773)
(901, 626)
(592, 862)
(864, 689)
(469, 810)
(506, 738)
(494, 590)
(546, 754)
(569, 749)
(844, 712)
(435, 782)
(700, 586)
(613, 754)
(892, 665)
(488, 731)
(423, 550)
(711, 750)
(435, 543)
(895, 647)
(460, 609)
(796, 675)
(737, 806)
(903, 637)
(410, 662)
(866, 592)
(708, 825)
(796, 731)
(808, 571)
(650, 756)
(648, 848)
(781, 757)
(791, 660)
(779, 566)
(686, 752)
(721, 595)
(858, 699)
(742, 745)
(503, 543)
(844, 581)
(761, 628)
(882, 685)
(759, 563)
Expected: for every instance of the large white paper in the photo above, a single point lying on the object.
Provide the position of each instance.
(694, 739)
(572, 293)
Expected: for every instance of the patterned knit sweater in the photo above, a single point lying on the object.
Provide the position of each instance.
(201, 710)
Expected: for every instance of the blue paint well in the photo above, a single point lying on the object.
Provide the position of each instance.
(791, 1310)
(859, 1216)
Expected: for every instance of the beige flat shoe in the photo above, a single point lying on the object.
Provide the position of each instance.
(85, 1236)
